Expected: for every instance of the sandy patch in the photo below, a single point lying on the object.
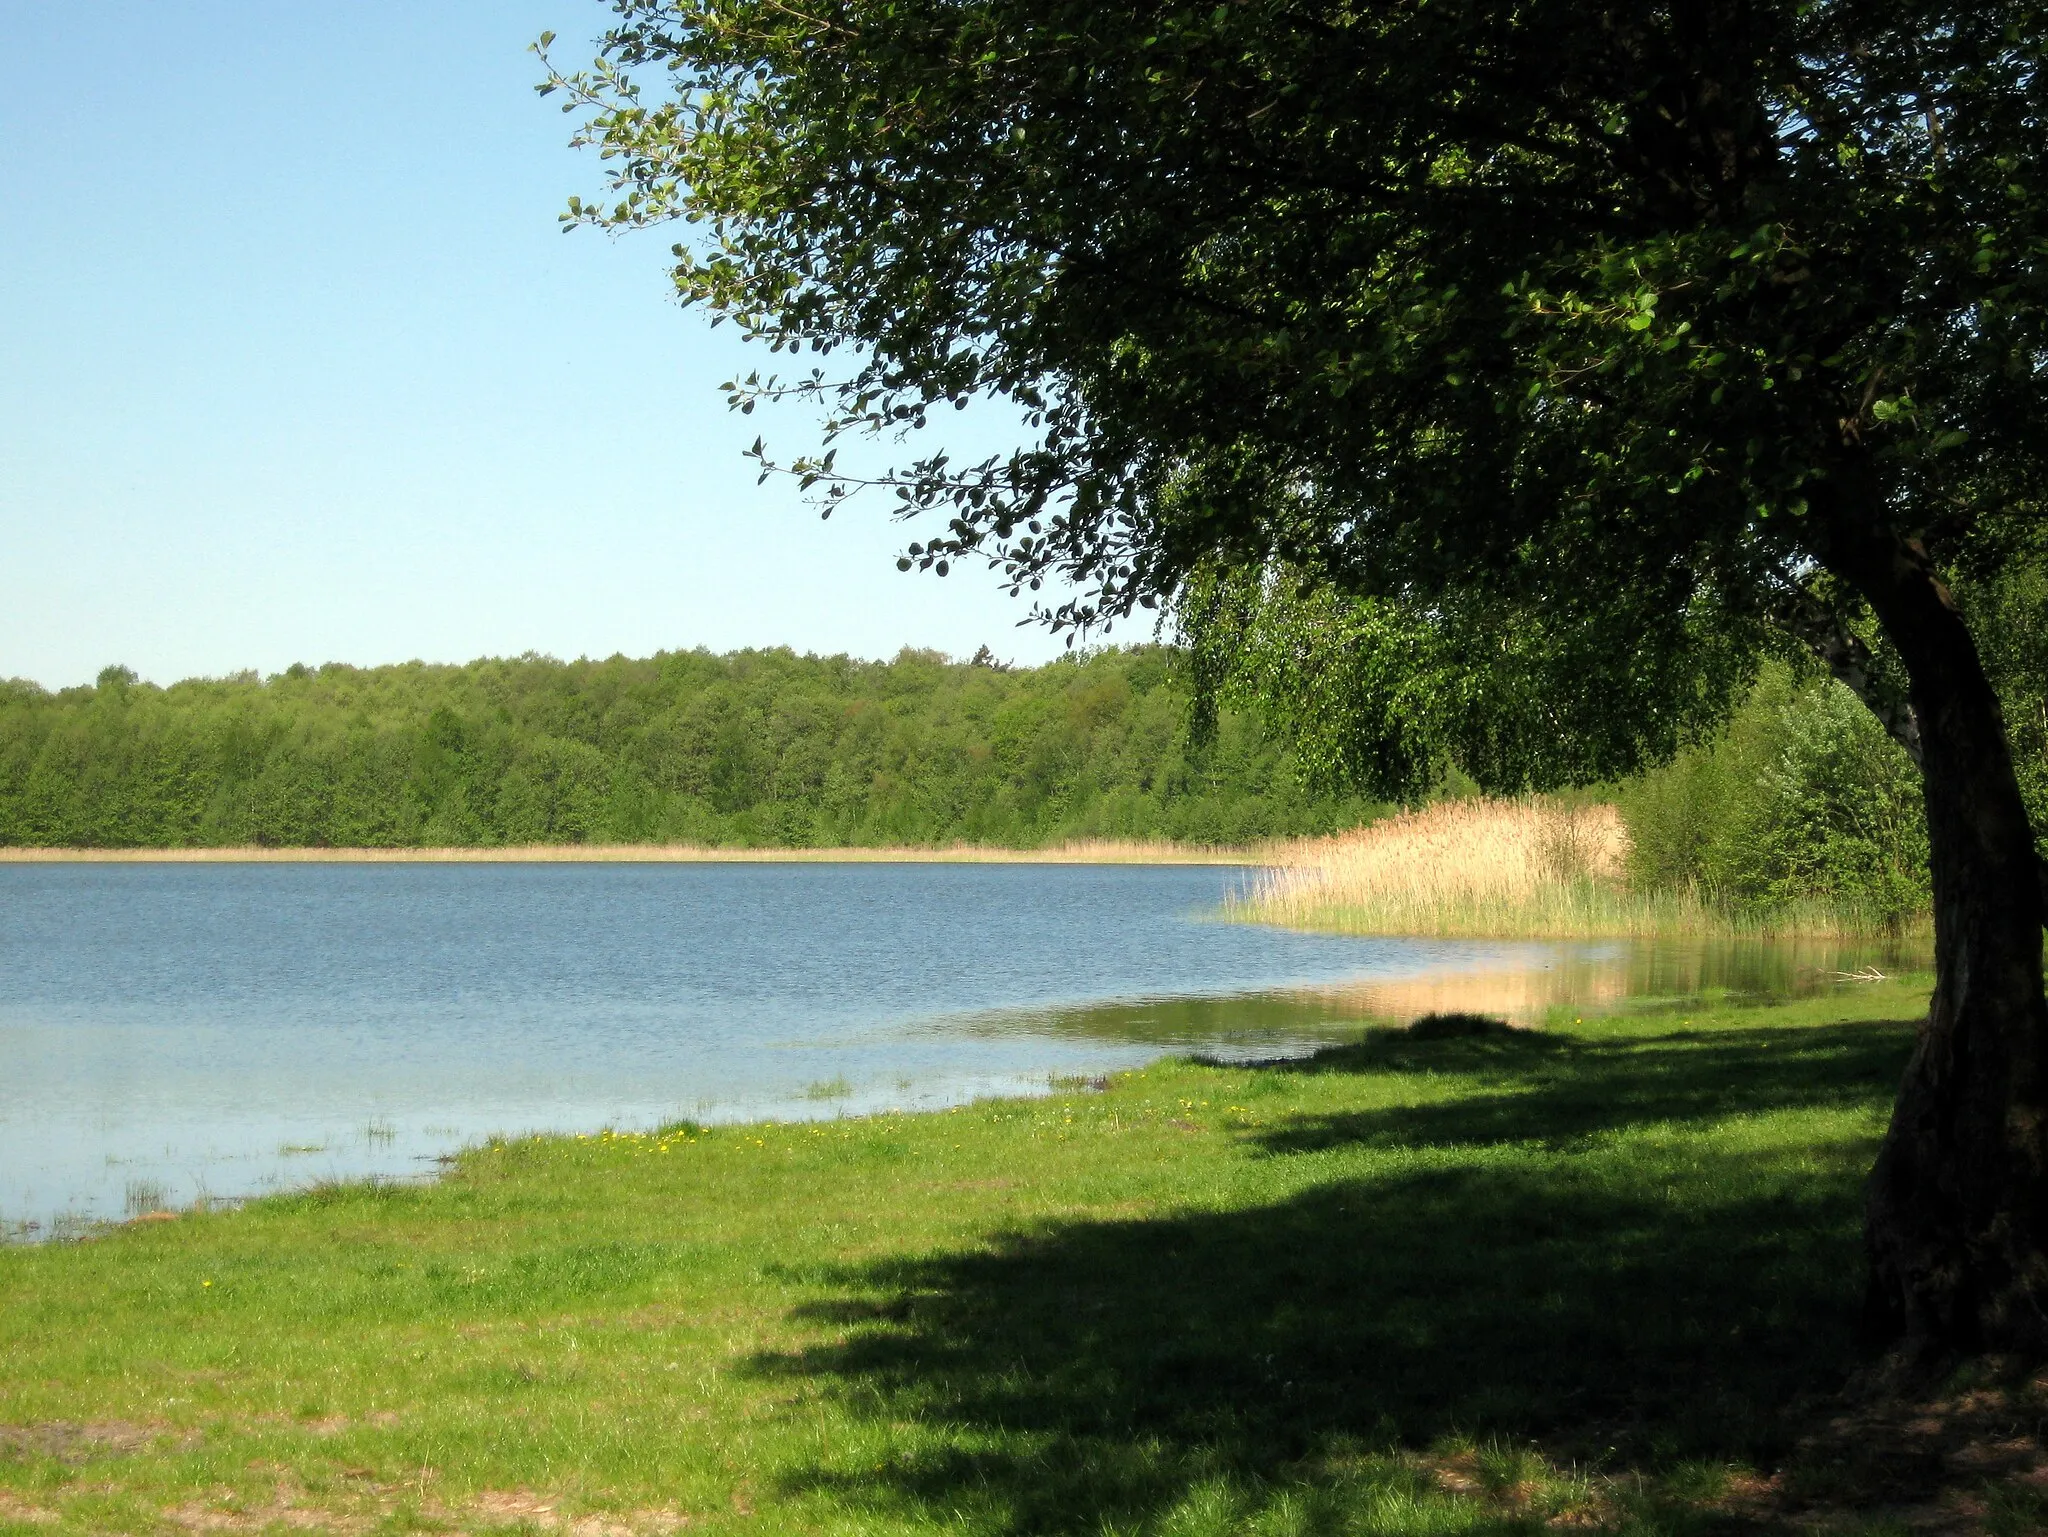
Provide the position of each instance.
(1083, 852)
(75, 1442)
(14, 1508)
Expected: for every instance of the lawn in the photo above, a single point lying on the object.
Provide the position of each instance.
(1600, 1275)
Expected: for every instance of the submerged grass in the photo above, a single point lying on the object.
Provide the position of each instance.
(1473, 1282)
(1494, 869)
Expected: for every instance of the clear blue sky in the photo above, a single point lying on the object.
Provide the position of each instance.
(298, 367)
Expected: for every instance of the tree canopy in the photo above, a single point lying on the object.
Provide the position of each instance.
(1561, 311)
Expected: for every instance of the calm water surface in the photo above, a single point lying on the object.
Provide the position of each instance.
(179, 1032)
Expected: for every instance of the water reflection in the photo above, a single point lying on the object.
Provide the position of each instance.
(1522, 984)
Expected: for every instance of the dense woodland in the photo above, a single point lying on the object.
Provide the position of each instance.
(753, 748)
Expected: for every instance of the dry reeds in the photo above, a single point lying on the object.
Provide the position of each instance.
(1499, 869)
(1079, 851)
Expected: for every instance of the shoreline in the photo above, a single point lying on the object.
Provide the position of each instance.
(610, 1308)
(1099, 852)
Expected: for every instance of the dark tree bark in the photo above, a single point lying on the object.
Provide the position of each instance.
(1824, 632)
(1957, 1206)
(1827, 635)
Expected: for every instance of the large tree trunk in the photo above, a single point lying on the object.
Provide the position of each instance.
(1957, 1213)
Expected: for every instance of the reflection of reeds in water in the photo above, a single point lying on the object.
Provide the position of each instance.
(1523, 984)
(1521, 994)
(1526, 988)
(1500, 869)
(142, 1197)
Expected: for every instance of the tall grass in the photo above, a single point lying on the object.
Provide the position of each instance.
(1529, 868)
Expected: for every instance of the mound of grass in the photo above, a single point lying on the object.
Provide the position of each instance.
(1454, 1025)
(1456, 1281)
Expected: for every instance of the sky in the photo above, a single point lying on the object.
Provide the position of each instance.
(297, 365)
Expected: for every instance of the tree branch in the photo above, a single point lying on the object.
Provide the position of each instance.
(1821, 629)
(1823, 632)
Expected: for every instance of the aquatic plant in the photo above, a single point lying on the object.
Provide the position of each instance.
(1528, 868)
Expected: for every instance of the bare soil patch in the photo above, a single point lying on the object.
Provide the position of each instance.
(73, 1442)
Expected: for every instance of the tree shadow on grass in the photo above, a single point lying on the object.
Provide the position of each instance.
(1558, 1090)
(1098, 1373)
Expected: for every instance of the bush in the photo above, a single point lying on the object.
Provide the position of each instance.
(1803, 797)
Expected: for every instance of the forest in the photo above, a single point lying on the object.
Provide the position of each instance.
(748, 749)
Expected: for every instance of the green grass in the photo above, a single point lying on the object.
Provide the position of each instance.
(1410, 1286)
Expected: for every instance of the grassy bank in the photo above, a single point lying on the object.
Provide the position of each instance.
(1590, 1277)
(1527, 869)
(1086, 851)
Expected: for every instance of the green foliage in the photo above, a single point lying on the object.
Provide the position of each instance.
(755, 748)
(1803, 797)
(2008, 613)
(1636, 318)
(1394, 698)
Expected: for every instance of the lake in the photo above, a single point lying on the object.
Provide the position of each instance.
(172, 1033)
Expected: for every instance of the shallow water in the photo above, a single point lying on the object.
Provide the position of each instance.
(171, 1033)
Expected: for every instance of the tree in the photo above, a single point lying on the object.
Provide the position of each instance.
(1587, 342)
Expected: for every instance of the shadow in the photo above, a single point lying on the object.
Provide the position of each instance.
(1626, 1312)
(1557, 1090)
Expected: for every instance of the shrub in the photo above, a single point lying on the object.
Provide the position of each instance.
(1802, 798)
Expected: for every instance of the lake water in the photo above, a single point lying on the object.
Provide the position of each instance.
(171, 1033)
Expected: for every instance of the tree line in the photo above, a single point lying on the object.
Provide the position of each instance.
(752, 748)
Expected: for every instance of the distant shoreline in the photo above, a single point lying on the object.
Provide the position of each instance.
(1103, 852)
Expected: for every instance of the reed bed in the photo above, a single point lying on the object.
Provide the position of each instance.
(1504, 869)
